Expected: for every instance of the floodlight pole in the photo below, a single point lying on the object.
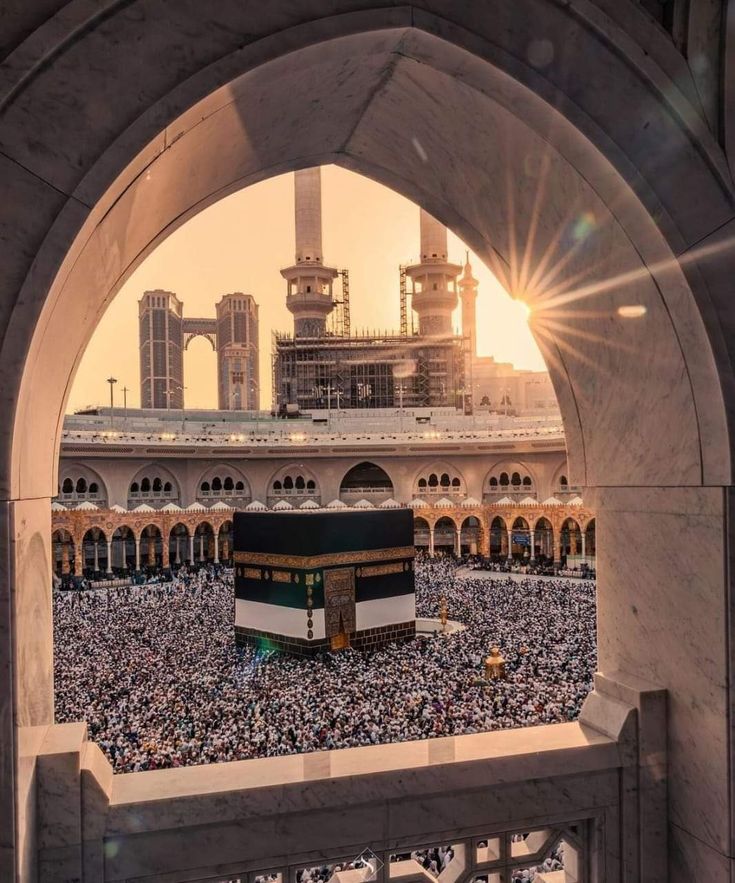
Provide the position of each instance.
(112, 381)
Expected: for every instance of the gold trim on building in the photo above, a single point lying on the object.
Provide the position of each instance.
(309, 562)
(249, 572)
(381, 569)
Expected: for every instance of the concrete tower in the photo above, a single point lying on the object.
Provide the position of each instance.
(161, 350)
(237, 352)
(468, 297)
(309, 294)
(434, 281)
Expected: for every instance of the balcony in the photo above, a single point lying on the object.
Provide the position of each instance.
(563, 802)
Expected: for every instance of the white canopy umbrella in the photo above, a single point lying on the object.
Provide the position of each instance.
(470, 502)
(87, 506)
(418, 503)
(256, 506)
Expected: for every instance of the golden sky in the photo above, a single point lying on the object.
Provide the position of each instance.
(241, 243)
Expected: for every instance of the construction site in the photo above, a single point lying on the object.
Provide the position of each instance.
(322, 365)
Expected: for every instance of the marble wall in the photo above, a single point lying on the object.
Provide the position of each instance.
(589, 112)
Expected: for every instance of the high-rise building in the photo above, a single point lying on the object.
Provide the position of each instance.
(161, 337)
(165, 334)
(237, 352)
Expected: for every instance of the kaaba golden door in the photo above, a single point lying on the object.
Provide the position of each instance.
(339, 606)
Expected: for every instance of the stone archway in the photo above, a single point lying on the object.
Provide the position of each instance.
(79, 197)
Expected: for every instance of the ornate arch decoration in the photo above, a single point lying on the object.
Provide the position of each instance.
(78, 483)
(439, 478)
(294, 482)
(223, 481)
(153, 484)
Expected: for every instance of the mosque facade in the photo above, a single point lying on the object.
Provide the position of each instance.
(147, 491)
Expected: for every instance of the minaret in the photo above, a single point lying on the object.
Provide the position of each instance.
(468, 297)
(309, 294)
(434, 281)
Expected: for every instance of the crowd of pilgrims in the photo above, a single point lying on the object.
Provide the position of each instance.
(156, 674)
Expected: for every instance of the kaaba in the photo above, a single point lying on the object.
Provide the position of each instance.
(306, 582)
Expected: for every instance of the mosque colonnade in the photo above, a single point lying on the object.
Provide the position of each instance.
(107, 541)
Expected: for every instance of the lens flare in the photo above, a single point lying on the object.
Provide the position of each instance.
(632, 311)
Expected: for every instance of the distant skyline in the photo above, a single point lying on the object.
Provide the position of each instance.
(242, 242)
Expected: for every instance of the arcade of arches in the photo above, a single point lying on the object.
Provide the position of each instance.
(106, 542)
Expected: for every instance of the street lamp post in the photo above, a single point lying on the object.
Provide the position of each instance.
(112, 381)
(125, 392)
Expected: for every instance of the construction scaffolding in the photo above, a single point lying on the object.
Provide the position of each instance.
(338, 324)
(404, 304)
(367, 371)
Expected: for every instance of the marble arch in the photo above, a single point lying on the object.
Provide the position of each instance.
(510, 466)
(293, 471)
(92, 186)
(75, 471)
(439, 468)
(152, 471)
(222, 471)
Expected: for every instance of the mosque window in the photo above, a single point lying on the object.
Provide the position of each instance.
(239, 486)
(493, 481)
(216, 483)
(504, 479)
(515, 479)
(300, 483)
(433, 480)
(134, 487)
(527, 481)
(228, 484)
(288, 483)
(157, 485)
(277, 486)
(311, 485)
(167, 487)
(81, 486)
(93, 488)
(145, 486)
(205, 486)
(68, 486)
(444, 480)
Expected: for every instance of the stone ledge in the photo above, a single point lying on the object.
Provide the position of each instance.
(153, 800)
